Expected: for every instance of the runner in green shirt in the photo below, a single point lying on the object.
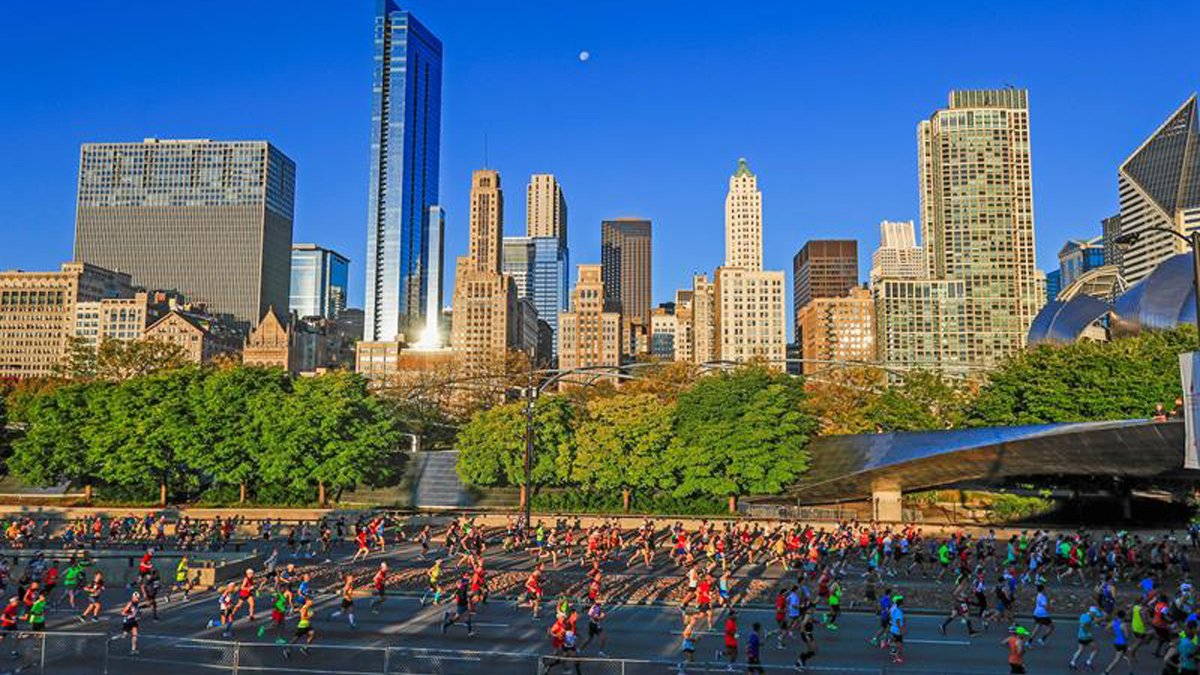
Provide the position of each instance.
(37, 614)
(71, 579)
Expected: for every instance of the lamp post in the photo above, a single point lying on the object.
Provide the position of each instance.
(1192, 239)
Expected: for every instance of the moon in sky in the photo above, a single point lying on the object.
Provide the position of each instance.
(584, 55)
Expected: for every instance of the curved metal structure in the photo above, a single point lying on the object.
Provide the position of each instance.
(848, 468)
(1164, 299)
(1066, 322)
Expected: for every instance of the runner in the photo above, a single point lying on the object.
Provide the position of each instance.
(364, 549)
(688, 644)
(435, 573)
(347, 601)
(462, 611)
(181, 580)
(754, 650)
(1087, 639)
(1016, 643)
(71, 578)
(1041, 617)
(246, 594)
(129, 621)
(1120, 644)
(808, 638)
(303, 630)
(533, 591)
(94, 591)
(279, 609)
(596, 617)
(380, 584)
(731, 639)
(898, 628)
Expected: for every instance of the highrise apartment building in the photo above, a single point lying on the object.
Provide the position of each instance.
(704, 319)
(748, 302)
(406, 124)
(1111, 228)
(921, 324)
(545, 208)
(209, 219)
(484, 321)
(685, 326)
(39, 311)
(589, 334)
(898, 256)
(1159, 187)
(838, 329)
(625, 256)
(319, 281)
(538, 267)
(977, 216)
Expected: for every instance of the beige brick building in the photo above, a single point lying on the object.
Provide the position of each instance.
(704, 319)
(837, 329)
(588, 335)
(201, 336)
(38, 314)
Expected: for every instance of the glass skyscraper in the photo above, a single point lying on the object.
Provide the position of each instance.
(319, 278)
(538, 267)
(406, 114)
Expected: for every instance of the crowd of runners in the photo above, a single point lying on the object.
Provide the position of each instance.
(1141, 603)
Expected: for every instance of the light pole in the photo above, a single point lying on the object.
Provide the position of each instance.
(527, 489)
(1192, 239)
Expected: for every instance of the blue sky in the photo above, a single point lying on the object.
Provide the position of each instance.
(822, 98)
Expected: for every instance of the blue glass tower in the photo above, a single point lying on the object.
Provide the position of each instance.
(319, 278)
(406, 120)
(539, 266)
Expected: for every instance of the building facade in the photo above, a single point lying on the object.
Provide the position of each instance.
(406, 124)
(1111, 228)
(319, 281)
(209, 219)
(538, 267)
(202, 337)
(484, 321)
(743, 220)
(1077, 257)
(898, 255)
(589, 334)
(1054, 284)
(976, 186)
(39, 314)
(546, 208)
(921, 324)
(664, 329)
(704, 319)
(625, 255)
(1159, 187)
(837, 329)
(823, 268)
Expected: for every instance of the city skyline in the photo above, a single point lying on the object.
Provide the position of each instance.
(1070, 156)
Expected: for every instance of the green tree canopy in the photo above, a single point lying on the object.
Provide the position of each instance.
(621, 442)
(54, 448)
(925, 400)
(492, 444)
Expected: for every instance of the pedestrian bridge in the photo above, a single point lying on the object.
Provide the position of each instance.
(882, 467)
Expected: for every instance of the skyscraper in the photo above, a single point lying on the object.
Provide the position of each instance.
(823, 268)
(319, 277)
(210, 219)
(625, 255)
(1159, 186)
(748, 302)
(406, 122)
(589, 334)
(898, 255)
(431, 335)
(545, 208)
(743, 220)
(1078, 257)
(837, 329)
(977, 216)
(538, 267)
(484, 323)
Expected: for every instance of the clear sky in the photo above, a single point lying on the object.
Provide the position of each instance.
(822, 98)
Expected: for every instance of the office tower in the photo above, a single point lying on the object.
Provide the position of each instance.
(319, 277)
(545, 208)
(1053, 284)
(704, 319)
(1159, 186)
(406, 125)
(898, 255)
(664, 328)
(1078, 257)
(743, 220)
(431, 335)
(209, 219)
(538, 267)
(589, 334)
(823, 268)
(625, 260)
(977, 216)
(920, 324)
(38, 314)
(484, 322)
(1111, 228)
(837, 329)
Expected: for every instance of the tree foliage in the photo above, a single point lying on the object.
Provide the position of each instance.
(924, 400)
(492, 445)
(621, 442)
(119, 360)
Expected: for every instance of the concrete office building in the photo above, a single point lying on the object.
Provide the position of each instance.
(748, 302)
(625, 257)
(38, 314)
(546, 208)
(664, 329)
(484, 321)
(976, 186)
(589, 335)
(704, 319)
(209, 219)
(318, 281)
(685, 326)
(202, 337)
(406, 124)
(1159, 186)
(837, 329)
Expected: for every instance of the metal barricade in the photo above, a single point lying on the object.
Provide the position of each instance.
(158, 654)
(413, 661)
(258, 657)
(54, 653)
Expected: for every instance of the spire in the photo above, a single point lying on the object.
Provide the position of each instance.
(743, 169)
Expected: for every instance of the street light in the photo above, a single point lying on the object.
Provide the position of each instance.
(1193, 239)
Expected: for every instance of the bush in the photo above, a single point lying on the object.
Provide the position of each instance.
(661, 503)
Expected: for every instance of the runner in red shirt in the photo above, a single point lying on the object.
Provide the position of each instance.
(363, 549)
(704, 598)
(379, 581)
(731, 638)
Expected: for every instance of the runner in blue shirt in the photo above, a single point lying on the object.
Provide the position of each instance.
(1120, 633)
(1087, 640)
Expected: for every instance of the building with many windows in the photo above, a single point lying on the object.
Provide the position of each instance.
(202, 337)
(625, 255)
(319, 281)
(406, 125)
(976, 187)
(1078, 257)
(546, 208)
(823, 268)
(589, 334)
(837, 329)
(209, 219)
(664, 329)
(898, 255)
(538, 267)
(921, 324)
(1159, 187)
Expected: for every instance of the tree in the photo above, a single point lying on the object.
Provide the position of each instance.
(491, 446)
(120, 360)
(740, 433)
(54, 447)
(839, 399)
(1085, 381)
(621, 443)
(925, 400)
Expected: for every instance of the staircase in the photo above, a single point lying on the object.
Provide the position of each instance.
(437, 484)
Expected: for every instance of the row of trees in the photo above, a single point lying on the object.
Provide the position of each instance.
(724, 436)
(183, 431)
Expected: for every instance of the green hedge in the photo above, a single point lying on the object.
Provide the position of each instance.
(579, 501)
